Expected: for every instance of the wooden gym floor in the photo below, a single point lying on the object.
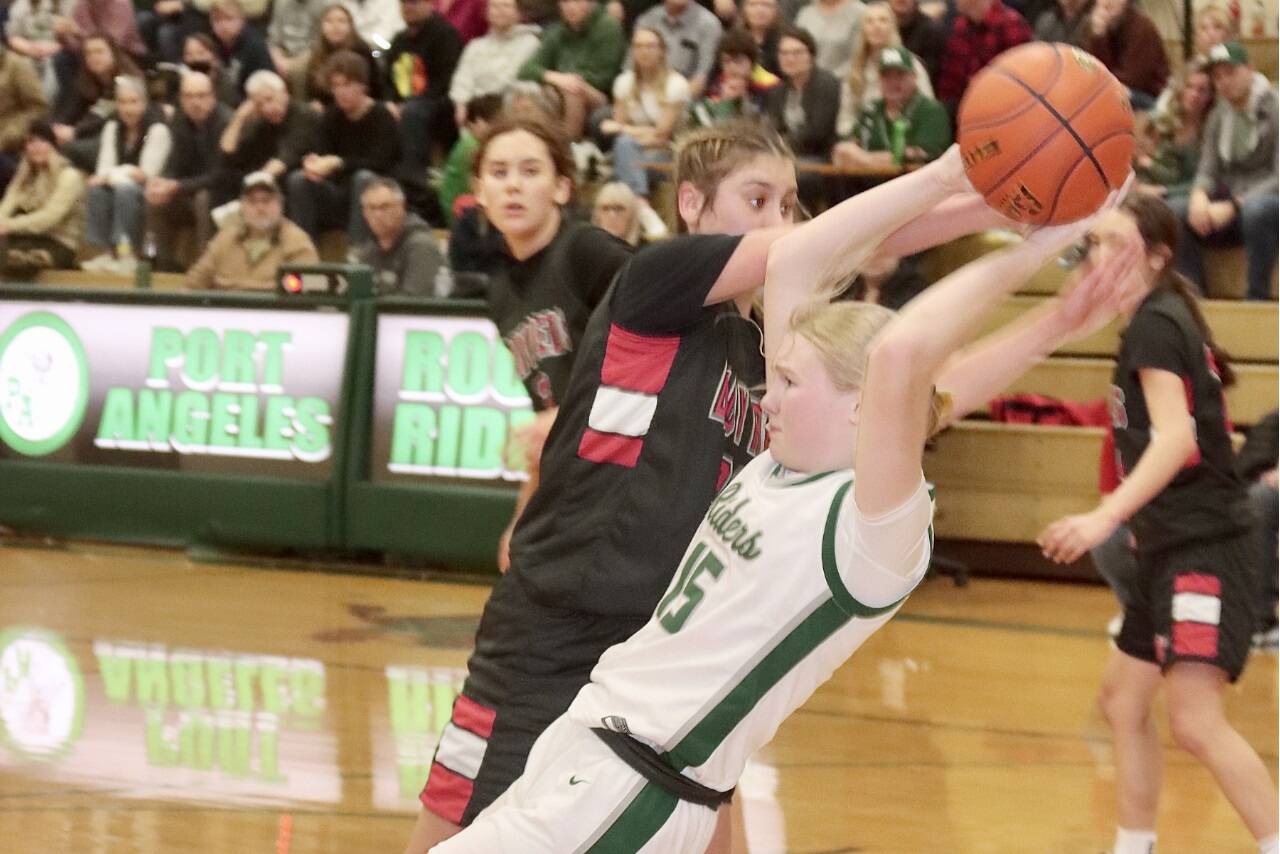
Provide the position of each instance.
(152, 704)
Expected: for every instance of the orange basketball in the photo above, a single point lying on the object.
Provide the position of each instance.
(1046, 133)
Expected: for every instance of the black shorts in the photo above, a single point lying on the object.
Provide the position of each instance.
(1194, 602)
(529, 663)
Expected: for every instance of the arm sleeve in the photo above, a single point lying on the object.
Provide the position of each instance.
(663, 289)
(1154, 341)
(604, 57)
(932, 130)
(155, 149)
(297, 141)
(462, 87)
(599, 255)
(1208, 171)
(707, 55)
(542, 59)
(200, 276)
(883, 558)
(29, 103)
(443, 60)
(107, 157)
(421, 267)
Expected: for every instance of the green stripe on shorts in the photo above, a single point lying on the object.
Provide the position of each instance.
(642, 818)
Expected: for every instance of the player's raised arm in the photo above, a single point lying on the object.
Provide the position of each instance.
(909, 355)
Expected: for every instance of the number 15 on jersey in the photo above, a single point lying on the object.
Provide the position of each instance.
(685, 594)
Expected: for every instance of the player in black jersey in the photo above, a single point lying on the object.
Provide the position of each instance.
(555, 272)
(1191, 615)
(662, 408)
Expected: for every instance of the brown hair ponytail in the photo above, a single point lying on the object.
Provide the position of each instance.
(1158, 226)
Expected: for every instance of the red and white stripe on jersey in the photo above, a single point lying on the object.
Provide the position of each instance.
(457, 760)
(1197, 613)
(634, 372)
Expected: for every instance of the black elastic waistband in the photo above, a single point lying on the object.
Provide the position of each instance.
(646, 762)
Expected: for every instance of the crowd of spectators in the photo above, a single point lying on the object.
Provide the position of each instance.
(163, 107)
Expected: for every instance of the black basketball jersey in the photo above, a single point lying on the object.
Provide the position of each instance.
(1205, 499)
(541, 304)
(659, 415)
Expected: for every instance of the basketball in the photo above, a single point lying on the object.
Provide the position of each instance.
(1045, 132)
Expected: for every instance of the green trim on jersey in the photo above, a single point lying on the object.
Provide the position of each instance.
(828, 618)
(831, 569)
(780, 471)
(638, 823)
(696, 747)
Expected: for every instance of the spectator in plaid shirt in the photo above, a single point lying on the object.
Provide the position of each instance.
(980, 30)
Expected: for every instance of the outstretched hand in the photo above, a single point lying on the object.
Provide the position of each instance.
(1051, 239)
(1096, 293)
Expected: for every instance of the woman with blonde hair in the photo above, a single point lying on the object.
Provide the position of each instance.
(861, 85)
(1169, 139)
(617, 211)
(648, 100)
(1213, 25)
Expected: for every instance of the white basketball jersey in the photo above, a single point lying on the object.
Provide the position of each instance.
(775, 591)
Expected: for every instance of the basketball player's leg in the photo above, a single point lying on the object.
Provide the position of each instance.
(1128, 690)
(1211, 621)
(449, 797)
(1200, 727)
(722, 840)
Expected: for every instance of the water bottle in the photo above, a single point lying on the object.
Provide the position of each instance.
(142, 275)
(898, 144)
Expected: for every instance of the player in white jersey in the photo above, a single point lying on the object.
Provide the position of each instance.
(798, 561)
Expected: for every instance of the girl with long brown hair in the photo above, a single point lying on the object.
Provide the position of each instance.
(1189, 614)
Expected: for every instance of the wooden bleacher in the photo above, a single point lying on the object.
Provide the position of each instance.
(1224, 268)
(999, 485)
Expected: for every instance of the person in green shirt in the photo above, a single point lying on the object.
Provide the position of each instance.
(455, 178)
(579, 55)
(924, 128)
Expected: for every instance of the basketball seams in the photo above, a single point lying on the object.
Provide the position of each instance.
(1063, 184)
(1065, 122)
(1031, 105)
(1036, 78)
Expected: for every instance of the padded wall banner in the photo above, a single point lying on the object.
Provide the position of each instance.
(224, 390)
(446, 395)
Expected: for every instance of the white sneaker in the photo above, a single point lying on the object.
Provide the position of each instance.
(650, 223)
(1267, 641)
(99, 264)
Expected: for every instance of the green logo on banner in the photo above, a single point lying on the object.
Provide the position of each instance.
(41, 694)
(44, 384)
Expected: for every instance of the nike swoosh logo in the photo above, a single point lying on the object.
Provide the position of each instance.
(575, 780)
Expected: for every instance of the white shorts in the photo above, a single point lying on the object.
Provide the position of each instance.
(576, 796)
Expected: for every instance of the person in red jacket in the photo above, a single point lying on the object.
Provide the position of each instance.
(980, 31)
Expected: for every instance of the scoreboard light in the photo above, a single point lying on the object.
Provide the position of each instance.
(327, 280)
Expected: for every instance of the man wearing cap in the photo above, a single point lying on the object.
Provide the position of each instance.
(249, 249)
(902, 126)
(1234, 195)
